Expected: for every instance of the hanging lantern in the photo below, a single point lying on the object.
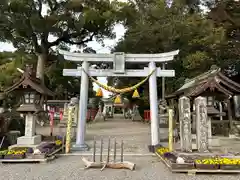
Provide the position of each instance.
(99, 93)
(118, 100)
(135, 94)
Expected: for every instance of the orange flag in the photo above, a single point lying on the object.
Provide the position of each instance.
(99, 93)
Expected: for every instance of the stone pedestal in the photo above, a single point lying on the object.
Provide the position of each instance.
(29, 140)
(30, 128)
(78, 147)
(30, 125)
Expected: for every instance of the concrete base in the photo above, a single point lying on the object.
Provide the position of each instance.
(33, 140)
(194, 146)
(234, 136)
(214, 142)
(77, 147)
(22, 145)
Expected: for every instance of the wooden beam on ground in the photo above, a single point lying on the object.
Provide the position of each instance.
(112, 165)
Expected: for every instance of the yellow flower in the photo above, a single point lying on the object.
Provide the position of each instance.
(162, 150)
(225, 161)
(58, 142)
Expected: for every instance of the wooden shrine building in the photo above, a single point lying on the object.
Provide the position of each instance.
(219, 91)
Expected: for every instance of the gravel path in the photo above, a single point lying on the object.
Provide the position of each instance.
(71, 168)
(136, 137)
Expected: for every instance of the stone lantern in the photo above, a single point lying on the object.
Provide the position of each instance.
(31, 93)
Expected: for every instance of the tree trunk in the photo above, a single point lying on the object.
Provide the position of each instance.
(42, 58)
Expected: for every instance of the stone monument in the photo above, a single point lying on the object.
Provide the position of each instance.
(185, 124)
(135, 114)
(99, 116)
(202, 124)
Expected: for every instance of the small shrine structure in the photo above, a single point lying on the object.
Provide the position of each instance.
(111, 107)
(219, 91)
(32, 93)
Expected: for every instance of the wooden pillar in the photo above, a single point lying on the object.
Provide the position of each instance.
(177, 110)
(230, 115)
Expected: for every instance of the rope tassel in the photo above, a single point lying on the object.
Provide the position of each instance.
(135, 94)
(118, 100)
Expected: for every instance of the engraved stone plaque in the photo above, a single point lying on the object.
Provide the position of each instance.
(185, 124)
(119, 63)
(202, 124)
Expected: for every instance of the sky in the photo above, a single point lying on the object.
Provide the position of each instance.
(108, 44)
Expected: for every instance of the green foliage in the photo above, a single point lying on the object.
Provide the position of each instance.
(164, 29)
(64, 87)
(28, 24)
(9, 62)
(226, 14)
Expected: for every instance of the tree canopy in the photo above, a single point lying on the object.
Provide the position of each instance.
(37, 25)
(201, 39)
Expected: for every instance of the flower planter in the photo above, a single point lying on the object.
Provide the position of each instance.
(14, 156)
(183, 166)
(230, 166)
(207, 166)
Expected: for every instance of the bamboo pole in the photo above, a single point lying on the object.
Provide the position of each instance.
(69, 129)
(170, 130)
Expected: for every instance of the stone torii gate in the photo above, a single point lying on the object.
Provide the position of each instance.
(118, 59)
